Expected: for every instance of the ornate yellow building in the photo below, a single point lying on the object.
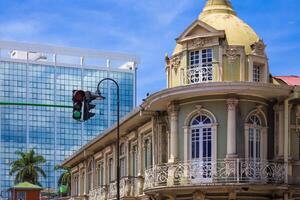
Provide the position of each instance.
(223, 129)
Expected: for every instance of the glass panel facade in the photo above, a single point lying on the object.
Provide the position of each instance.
(51, 131)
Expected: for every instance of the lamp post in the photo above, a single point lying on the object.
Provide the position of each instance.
(118, 127)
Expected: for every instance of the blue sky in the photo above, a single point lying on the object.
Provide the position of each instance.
(146, 28)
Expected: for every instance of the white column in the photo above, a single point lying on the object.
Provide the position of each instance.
(173, 114)
(186, 144)
(85, 192)
(231, 128)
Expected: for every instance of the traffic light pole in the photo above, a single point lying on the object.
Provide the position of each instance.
(118, 129)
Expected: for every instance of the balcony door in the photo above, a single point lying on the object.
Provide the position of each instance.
(254, 138)
(255, 148)
(201, 149)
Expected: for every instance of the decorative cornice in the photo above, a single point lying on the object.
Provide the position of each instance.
(263, 90)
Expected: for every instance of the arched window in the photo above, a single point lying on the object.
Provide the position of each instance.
(201, 138)
(200, 144)
(254, 137)
(256, 141)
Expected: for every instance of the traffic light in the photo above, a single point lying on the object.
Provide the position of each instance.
(89, 97)
(78, 104)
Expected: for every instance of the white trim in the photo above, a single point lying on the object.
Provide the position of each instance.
(263, 131)
(214, 100)
(69, 65)
(194, 113)
(68, 51)
(187, 133)
(257, 112)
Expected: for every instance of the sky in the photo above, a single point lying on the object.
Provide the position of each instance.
(147, 28)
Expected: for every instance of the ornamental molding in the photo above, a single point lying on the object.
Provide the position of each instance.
(232, 54)
(203, 42)
(175, 62)
(258, 48)
(199, 108)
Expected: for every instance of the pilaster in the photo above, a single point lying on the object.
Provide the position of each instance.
(231, 128)
(173, 110)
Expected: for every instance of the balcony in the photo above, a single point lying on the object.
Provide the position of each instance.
(213, 173)
(128, 188)
(198, 74)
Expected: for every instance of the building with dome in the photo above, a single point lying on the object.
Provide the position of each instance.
(223, 129)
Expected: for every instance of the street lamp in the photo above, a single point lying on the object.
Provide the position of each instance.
(100, 97)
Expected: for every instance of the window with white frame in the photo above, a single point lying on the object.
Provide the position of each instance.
(147, 153)
(201, 138)
(76, 184)
(122, 160)
(134, 157)
(257, 72)
(110, 169)
(254, 141)
(100, 173)
(89, 176)
(200, 66)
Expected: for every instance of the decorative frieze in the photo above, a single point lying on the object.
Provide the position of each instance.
(203, 42)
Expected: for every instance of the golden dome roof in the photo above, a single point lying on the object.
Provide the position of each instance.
(220, 15)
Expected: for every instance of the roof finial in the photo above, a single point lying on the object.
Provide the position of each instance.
(218, 6)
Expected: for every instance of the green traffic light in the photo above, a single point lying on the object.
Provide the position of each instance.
(76, 115)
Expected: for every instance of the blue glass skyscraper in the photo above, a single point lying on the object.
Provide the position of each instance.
(36, 99)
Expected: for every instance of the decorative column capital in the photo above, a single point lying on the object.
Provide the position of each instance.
(232, 103)
(173, 108)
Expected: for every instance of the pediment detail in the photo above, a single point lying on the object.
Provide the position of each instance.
(199, 29)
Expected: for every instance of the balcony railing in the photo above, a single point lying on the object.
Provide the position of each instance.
(98, 194)
(209, 173)
(128, 187)
(199, 74)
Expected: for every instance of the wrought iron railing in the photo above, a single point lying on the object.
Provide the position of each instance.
(224, 171)
(197, 74)
(128, 187)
